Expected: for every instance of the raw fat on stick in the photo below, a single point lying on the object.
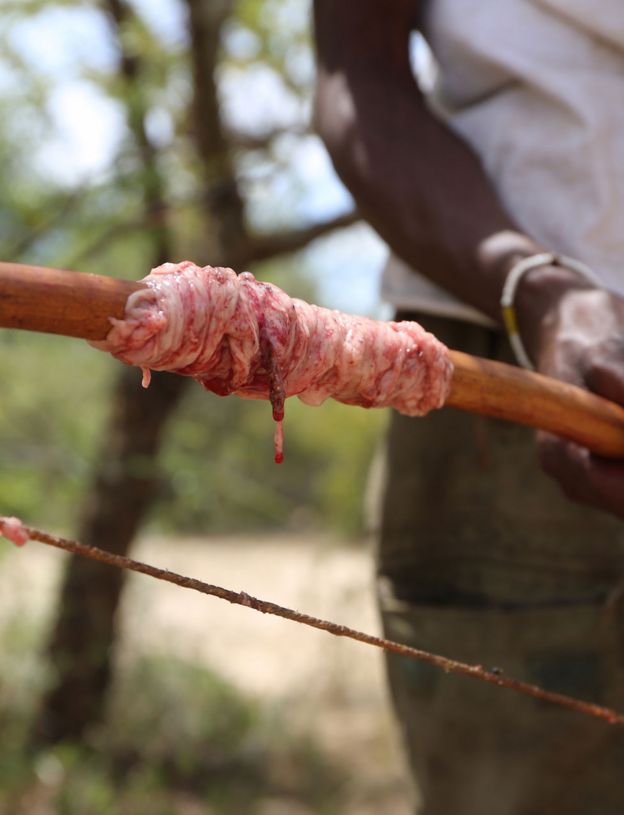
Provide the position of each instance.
(234, 334)
(13, 529)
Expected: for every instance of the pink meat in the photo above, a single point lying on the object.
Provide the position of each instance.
(234, 334)
(13, 529)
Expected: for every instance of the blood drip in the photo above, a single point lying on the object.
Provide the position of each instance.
(278, 440)
(277, 397)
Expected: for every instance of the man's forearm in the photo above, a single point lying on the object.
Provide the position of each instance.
(418, 184)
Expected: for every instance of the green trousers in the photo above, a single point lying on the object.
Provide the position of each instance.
(482, 559)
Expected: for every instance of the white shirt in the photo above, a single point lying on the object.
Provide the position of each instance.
(536, 87)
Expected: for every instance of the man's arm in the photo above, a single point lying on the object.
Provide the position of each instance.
(417, 183)
(426, 193)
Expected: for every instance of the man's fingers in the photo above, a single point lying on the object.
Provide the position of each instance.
(606, 378)
(608, 480)
(566, 463)
(583, 477)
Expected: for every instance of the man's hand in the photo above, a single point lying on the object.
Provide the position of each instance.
(577, 335)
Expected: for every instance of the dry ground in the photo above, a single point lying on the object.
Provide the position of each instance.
(332, 688)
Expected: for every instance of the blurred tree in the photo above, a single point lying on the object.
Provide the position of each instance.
(125, 480)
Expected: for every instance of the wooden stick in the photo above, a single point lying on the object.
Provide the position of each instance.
(57, 302)
(241, 598)
(506, 392)
(79, 305)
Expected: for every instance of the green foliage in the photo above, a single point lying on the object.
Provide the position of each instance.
(177, 738)
(186, 706)
(51, 413)
(278, 35)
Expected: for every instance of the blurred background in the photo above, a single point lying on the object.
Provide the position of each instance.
(132, 133)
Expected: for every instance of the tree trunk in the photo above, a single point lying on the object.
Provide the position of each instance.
(82, 641)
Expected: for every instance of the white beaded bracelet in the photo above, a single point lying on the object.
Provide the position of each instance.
(517, 272)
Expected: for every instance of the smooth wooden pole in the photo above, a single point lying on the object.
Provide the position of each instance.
(79, 305)
(57, 302)
(506, 392)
